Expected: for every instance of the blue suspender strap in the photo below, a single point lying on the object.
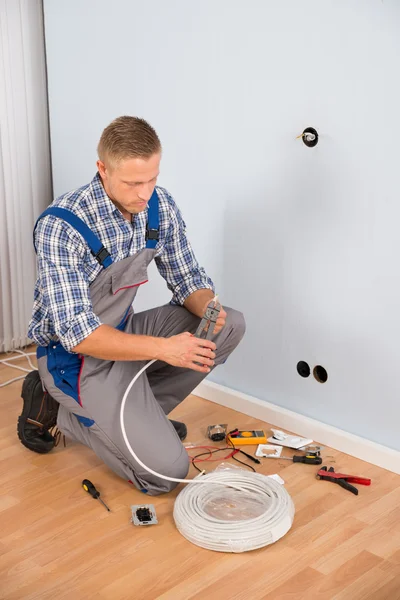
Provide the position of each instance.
(100, 253)
(153, 222)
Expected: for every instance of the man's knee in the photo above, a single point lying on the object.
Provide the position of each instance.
(178, 470)
(235, 321)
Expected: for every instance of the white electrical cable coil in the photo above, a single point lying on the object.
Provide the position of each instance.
(222, 535)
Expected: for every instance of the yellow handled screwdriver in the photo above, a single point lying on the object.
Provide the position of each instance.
(90, 489)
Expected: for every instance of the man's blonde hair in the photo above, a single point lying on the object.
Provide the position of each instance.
(127, 137)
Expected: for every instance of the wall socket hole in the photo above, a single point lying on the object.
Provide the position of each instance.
(307, 141)
(320, 374)
(303, 369)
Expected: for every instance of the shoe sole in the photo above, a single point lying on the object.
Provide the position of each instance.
(24, 441)
(26, 409)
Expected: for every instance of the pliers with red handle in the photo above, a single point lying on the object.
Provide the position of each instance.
(342, 480)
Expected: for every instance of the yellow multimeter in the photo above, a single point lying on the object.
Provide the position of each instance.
(250, 437)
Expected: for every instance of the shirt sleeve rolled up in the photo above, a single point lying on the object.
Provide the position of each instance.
(64, 284)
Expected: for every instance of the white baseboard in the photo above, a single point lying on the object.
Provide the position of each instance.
(374, 453)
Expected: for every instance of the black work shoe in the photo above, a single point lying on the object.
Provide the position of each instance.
(180, 429)
(39, 414)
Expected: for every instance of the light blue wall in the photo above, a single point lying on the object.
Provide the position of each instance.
(304, 241)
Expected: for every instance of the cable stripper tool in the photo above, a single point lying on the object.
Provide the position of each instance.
(207, 323)
(342, 480)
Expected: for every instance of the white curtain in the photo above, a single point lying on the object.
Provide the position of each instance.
(25, 175)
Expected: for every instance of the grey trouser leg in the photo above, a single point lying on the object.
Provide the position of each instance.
(171, 385)
(157, 391)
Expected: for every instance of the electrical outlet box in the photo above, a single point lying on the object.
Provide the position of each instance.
(144, 514)
(290, 441)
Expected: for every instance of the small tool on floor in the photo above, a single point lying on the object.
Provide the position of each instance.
(307, 460)
(342, 480)
(90, 489)
(252, 437)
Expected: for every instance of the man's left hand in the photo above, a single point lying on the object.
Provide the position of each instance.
(221, 320)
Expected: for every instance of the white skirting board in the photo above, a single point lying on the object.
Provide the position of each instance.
(283, 418)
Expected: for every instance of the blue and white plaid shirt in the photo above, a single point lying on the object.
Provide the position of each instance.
(62, 305)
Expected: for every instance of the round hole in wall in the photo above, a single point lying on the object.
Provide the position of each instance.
(310, 140)
(320, 374)
(303, 369)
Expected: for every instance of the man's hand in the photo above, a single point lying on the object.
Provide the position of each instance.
(221, 320)
(185, 350)
(197, 304)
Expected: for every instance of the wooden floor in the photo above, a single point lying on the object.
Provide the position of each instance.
(56, 542)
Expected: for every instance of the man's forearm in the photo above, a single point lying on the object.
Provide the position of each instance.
(197, 302)
(110, 344)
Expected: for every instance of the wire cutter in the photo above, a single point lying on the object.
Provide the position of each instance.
(342, 480)
(207, 323)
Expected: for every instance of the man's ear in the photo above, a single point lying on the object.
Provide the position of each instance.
(101, 167)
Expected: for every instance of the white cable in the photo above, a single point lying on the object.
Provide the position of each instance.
(194, 518)
(27, 355)
(121, 414)
(11, 381)
(4, 362)
(22, 355)
(204, 530)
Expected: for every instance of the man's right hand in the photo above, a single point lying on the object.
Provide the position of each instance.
(185, 350)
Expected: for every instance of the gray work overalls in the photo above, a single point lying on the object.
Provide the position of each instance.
(90, 390)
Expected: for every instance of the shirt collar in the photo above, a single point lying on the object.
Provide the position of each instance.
(104, 205)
